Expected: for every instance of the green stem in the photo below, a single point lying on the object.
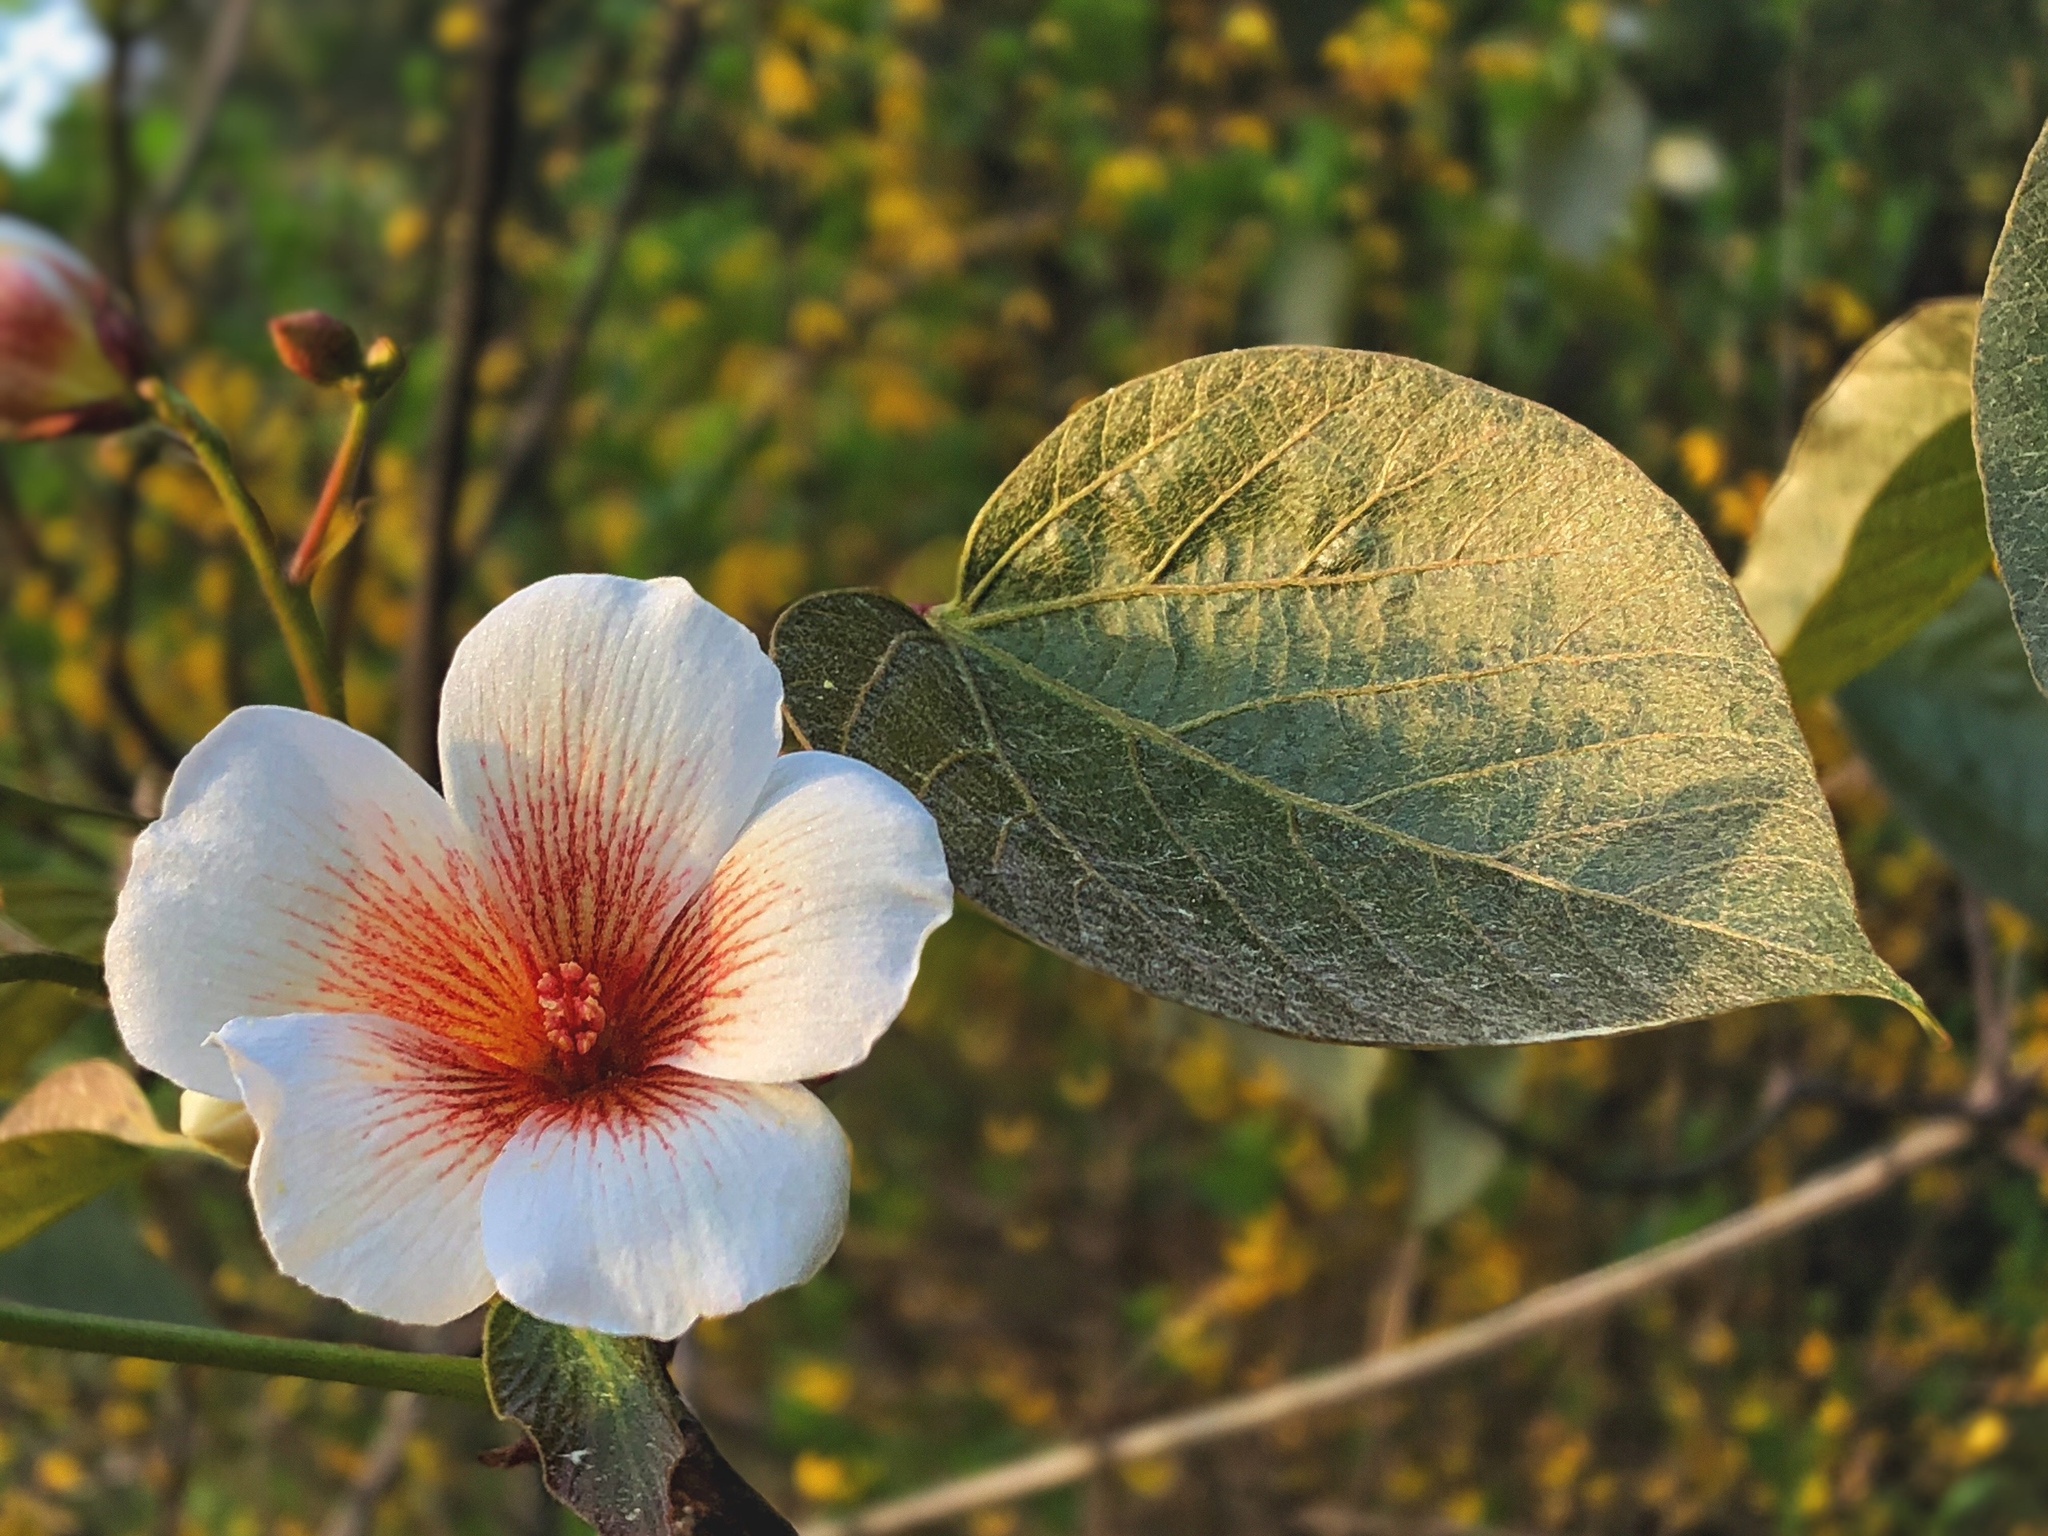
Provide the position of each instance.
(14, 796)
(340, 476)
(393, 1370)
(319, 677)
(73, 971)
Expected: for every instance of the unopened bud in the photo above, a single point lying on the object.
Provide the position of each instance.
(316, 346)
(69, 351)
(383, 366)
(220, 1125)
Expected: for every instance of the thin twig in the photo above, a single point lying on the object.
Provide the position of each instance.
(382, 1463)
(224, 40)
(487, 142)
(527, 439)
(1577, 1300)
(121, 153)
(1992, 996)
(177, 1442)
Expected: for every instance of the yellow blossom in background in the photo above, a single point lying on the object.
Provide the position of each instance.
(59, 1472)
(822, 1385)
(1249, 30)
(1153, 1477)
(405, 231)
(1983, 1437)
(1702, 457)
(823, 1479)
(1738, 507)
(755, 579)
(459, 27)
(818, 325)
(784, 85)
(1124, 178)
(1381, 59)
(896, 400)
(1816, 1355)
(1586, 20)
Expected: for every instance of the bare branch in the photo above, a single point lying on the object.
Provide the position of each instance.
(1577, 1300)
(224, 40)
(382, 1464)
(1992, 996)
(487, 142)
(527, 440)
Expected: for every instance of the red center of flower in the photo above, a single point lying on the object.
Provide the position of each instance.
(570, 1012)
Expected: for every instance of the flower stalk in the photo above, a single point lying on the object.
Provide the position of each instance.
(319, 676)
(392, 1370)
(348, 459)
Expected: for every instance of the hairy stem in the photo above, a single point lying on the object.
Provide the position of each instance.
(394, 1370)
(319, 679)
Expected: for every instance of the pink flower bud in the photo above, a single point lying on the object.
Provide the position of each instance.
(69, 351)
(317, 347)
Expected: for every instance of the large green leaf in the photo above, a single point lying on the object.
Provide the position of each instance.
(2011, 381)
(616, 1443)
(83, 1129)
(1958, 734)
(1877, 523)
(1335, 693)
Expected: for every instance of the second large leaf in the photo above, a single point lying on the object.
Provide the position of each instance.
(1339, 694)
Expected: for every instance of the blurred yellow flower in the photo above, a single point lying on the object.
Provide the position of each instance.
(405, 231)
(1151, 1478)
(1702, 456)
(459, 27)
(822, 1385)
(60, 1472)
(1983, 1437)
(823, 1479)
(785, 87)
(754, 580)
(1815, 1356)
(817, 325)
(1249, 29)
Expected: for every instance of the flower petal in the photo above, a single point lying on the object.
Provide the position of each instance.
(802, 949)
(376, 1139)
(640, 1207)
(300, 867)
(605, 739)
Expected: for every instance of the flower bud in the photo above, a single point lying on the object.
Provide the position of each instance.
(317, 347)
(221, 1125)
(69, 351)
(383, 366)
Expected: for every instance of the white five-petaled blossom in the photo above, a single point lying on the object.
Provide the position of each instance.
(544, 1035)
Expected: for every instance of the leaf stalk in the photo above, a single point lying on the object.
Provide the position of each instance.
(456, 1377)
(319, 676)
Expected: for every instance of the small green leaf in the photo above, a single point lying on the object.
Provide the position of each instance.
(1956, 731)
(2011, 381)
(47, 1176)
(80, 1131)
(1877, 523)
(616, 1443)
(1334, 693)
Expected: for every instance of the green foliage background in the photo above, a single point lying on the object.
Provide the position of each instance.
(885, 248)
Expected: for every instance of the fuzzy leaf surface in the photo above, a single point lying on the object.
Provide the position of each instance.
(1877, 523)
(1338, 694)
(2011, 384)
(616, 1443)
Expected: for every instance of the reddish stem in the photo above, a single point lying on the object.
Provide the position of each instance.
(340, 476)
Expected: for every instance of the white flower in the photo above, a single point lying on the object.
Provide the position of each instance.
(542, 1036)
